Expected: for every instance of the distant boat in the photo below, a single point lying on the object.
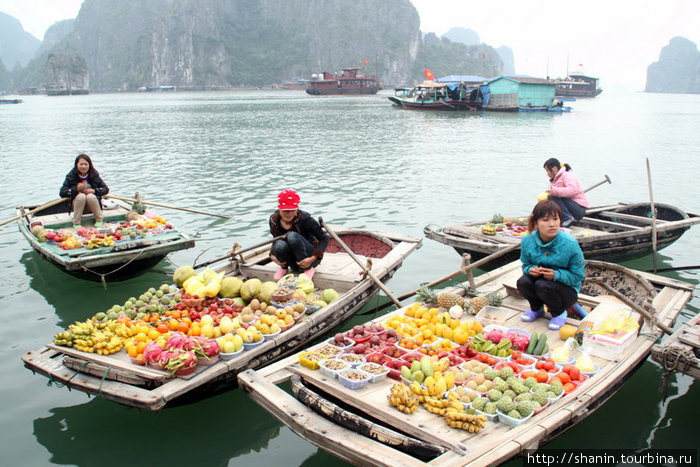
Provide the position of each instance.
(56, 91)
(350, 81)
(523, 94)
(10, 100)
(431, 95)
(578, 86)
(297, 84)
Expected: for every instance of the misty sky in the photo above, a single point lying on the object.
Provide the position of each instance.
(614, 40)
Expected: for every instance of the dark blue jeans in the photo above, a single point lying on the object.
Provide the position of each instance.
(569, 208)
(540, 291)
(291, 249)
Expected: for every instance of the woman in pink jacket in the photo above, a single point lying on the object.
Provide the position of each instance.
(565, 190)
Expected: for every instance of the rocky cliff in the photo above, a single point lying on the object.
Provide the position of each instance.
(17, 47)
(678, 68)
(209, 44)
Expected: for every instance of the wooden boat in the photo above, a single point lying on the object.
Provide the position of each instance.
(681, 351)
(122, 259)
(577, 85)
(432, 95)
(116, 378)
(359, 426)
(10, 100)
(614, 231)
(349, 82)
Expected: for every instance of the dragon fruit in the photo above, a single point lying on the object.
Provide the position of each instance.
(152, 352)
(495, 336)
(520, 342)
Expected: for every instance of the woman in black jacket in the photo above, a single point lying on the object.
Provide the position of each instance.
(302, 249)
(84, 186)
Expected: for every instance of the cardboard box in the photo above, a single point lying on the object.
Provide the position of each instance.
(607, 346)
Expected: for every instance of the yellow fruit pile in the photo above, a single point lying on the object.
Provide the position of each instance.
(94, 337)
(403, 399)
(98, 242)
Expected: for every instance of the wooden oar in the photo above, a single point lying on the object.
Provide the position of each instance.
(132, 200)
(43, 206)
(605, 180)
(233, 253)
(357, 260)
(474, 265)
(653, 217)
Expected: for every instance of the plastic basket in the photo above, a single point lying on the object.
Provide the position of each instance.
(369, 368)
(330, 350)
(252, 345)
(353, 359)
(332, 372)
(510, 421)
(311, 359)
(231, 355)
(353, 383)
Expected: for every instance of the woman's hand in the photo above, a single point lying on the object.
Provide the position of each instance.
(81, 186)
(535, 271)
(547, 273)
(278, 262)
(88, 191)
(306, 262)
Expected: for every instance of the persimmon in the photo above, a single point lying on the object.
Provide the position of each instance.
(542, 376)
(568, 387)
(183, 327)
(162, 328)
(173, 324)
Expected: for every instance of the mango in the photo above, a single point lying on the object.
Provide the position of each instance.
(426, 365)
(418, 376)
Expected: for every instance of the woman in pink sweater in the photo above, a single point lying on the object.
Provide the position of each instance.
(565, 190)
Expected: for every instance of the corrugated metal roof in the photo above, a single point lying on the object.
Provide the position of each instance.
(462, 78)
(525, 79)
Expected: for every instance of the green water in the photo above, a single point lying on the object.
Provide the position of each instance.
(356, 161)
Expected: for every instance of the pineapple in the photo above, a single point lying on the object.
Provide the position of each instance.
(426, 295)
(474, 305)
(447, 300)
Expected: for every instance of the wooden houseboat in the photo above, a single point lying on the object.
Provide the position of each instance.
(523, 93)
(349, 81)
(117, 378)
(359, 424)
(577, 85)
(619, 231)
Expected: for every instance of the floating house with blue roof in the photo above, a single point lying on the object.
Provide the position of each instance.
(523, 93)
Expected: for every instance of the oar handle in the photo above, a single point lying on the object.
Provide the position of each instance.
(605, 180)
(231, 253)
(132, 200)
(38, 208)
(357, 260)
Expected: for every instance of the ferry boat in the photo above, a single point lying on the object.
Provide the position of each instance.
(349, 81)
(578, 86)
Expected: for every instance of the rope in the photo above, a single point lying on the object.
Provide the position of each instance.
(672, 357)
(59, 385)
(102, 276)
(104, 376)
(434, 227)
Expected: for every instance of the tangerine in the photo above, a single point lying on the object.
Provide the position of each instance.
(162, 328)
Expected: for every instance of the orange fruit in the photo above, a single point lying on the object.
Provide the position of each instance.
(183, 327)
(162, 328)
(153, 334)
(173, 324)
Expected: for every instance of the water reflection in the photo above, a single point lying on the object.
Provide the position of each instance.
(105, 434)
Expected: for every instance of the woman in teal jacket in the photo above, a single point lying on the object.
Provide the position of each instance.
(553, 266)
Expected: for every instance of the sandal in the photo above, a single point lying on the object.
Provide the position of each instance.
(557, 322)
(530, 315)
(280, 273)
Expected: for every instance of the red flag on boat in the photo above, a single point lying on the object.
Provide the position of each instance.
(429, 74)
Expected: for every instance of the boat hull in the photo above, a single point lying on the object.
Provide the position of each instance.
(372, 433)
(115, 378)
(121, 261)
(341, 91)
(629, 236)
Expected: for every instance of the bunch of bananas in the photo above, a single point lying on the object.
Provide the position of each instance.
(466, 421)
(443, 406)
(401, 398)
(488, 229)
(95, 242)
(94, 337)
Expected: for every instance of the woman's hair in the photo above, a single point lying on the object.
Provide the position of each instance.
(92, 171)
(554, 162)
(542, 209)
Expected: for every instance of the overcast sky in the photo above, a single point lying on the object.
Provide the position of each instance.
(614, 40)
